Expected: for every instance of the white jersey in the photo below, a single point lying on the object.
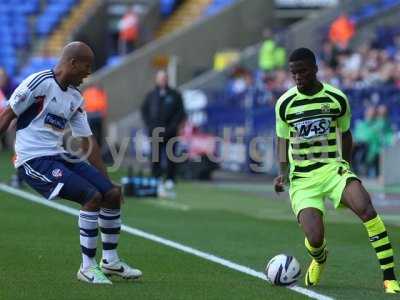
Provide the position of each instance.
(44, 111)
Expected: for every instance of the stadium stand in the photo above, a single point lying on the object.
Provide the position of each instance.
(23, 25)
(67, 25)
(187, 13)
(369, 10)
(216, 6)
(36, 64)
(52, 15)
(167, 7)
(14, 21)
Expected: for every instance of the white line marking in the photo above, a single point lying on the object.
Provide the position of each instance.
(169, 204)
(166, 242)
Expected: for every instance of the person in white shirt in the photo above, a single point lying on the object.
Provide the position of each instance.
(45, 105)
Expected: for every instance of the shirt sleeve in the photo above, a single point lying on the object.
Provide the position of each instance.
(345, 119)
(282, 128)
(21, 99)
(79, 124)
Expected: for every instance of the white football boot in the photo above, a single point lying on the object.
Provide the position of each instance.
(119, 268)
(93, 275)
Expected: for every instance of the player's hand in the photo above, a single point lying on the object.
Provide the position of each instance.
(279, 184)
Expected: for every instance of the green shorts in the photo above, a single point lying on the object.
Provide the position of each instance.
(329, 183)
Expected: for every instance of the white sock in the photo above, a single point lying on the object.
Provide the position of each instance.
(88, 237)
(110, 227)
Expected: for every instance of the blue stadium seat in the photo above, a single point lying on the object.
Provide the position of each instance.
(216, 6)
(52, 15)
(167, 7)
(14, 28)
(36, 64)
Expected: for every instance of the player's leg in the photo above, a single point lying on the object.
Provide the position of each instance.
(358, 200)
(78, 189)
(51, 178)
(170, 153)
(109, 220)
(156, 159)
(110, 227)
(306, 199)
(311, 221)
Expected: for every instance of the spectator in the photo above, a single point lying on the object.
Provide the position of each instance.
(371, 136)
(341, 31)
(96, 106)
(329, 54)
(384, 136)
(3, 105)
(363, 134)
(128, 32)
(3, 101)
(240, 81)
(271, 55)
(163, 110)
(7, 85)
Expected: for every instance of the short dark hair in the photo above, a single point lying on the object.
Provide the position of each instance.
(302, 54)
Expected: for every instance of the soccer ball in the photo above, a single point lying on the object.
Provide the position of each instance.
(282, 270)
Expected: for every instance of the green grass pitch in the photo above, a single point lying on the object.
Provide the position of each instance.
(39, 248)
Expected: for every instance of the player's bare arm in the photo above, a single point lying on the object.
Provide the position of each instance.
(282, 178)
(347, 146)
(6, 118)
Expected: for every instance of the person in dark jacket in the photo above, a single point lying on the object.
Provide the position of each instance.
(163, 113)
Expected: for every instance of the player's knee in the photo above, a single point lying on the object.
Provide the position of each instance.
(367, 213)
(94, 202)
(112, 199)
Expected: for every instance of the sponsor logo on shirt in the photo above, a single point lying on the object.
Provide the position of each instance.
(55, 122)
(313, 128)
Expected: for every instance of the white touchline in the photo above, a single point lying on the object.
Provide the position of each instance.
(160, 240)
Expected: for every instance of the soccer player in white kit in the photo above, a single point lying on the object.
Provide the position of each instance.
(46, 104)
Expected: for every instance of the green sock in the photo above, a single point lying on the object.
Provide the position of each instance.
(319, 254)
(380, 242)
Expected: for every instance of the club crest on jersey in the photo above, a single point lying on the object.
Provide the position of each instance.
(57, 173)
(54, 99)
(325, 108)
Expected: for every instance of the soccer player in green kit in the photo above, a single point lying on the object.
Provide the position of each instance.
(314, 148)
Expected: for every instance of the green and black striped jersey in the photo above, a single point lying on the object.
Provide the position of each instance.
(312, 124)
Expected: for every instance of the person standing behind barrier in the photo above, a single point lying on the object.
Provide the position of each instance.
(384, 138)
(363, 135)
(3, 105)
(7, 86)
(342, 31)
(163, 113)
(271, 56)
(128, 32)
(96, 107)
